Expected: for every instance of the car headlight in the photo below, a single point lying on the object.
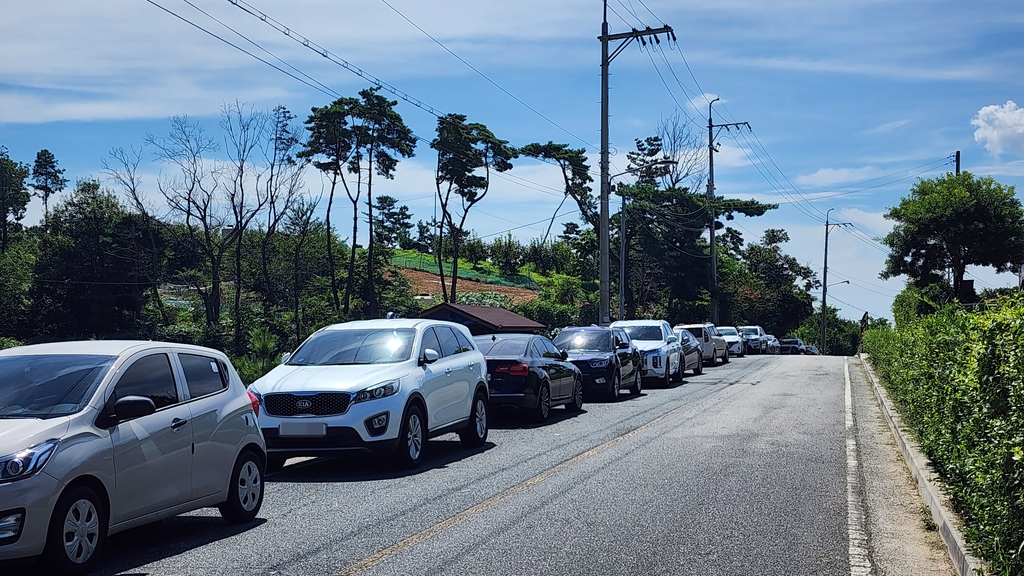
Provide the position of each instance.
(382, 390)
(598, 363)
(27, 462)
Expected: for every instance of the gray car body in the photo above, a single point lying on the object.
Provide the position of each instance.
(134, 466)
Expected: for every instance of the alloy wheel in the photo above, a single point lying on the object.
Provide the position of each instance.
(414, 438)
(81, 531)
(481, 418)
(250, 486)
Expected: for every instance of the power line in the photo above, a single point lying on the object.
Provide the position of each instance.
(484, 76)
(529, 225)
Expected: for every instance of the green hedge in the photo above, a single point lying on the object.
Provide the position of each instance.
(958, 379)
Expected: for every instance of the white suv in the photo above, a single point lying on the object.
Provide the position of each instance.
(658, 346)
(380, 385)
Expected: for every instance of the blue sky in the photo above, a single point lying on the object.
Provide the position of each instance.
(849, 96)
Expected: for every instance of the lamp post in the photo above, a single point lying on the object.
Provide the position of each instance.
(622, 233)
(824, 310)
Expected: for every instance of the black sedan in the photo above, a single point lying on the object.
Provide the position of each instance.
(792, 346)
(606, 357)
(527, 372)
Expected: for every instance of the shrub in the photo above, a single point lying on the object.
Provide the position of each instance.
(958, 378)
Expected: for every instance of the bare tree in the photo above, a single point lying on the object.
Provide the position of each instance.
(298, 223)
(283, 186)
(687, 147)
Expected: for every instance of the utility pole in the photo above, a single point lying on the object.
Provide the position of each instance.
(824, 280)
(711, 204)
(957, 162)
(606, 59)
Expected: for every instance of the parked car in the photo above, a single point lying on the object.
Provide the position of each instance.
(385, 386)
(792, 346)
(693, 351)
(528, 372)
(812, 351)
(712, 343)
(755, 338)
(773, 344)
(659, 348)
(606, 357)
(733, 341)
(101, 436)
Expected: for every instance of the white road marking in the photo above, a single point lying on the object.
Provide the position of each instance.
(860, 560)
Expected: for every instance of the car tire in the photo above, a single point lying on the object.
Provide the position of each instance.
(725, 356)
(666, 383)
(576, 402)
(613, 392)
(699, 369)
(245, 493)
(637, 386)
(543, 409)
(275, 463)
(412, 439)
(78, 507)
(475, 433)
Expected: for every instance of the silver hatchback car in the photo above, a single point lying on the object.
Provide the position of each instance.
(102, 436)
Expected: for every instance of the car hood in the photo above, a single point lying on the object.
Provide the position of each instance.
(353, 378)
(731, 339)
(16, 434)
(646, 345)
(585, 356)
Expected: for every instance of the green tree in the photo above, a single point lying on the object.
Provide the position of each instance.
(47, 178)
(392, 223)
(14, 196)
(842, 335)
(575, 175)
(507, 254)
(779, 297)
(951, 222)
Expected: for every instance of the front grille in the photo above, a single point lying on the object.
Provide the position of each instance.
(320, 404)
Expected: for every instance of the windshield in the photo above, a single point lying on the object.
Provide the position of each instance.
(48, 386)
(644, 332)
(789, 341)
(727, 331)
(344, 347)
(593, 340)
(501, 346)
(749, 331)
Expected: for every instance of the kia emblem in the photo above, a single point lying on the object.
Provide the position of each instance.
(303, 404)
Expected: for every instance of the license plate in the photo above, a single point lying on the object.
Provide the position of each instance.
(302, 429)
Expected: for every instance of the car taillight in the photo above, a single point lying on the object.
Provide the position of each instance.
(255, 400)
(514, 369)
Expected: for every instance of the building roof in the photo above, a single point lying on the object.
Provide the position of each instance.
(483, 319)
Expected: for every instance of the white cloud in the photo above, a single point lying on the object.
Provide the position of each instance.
(1001, 129)
(830, 176)
(888, 127)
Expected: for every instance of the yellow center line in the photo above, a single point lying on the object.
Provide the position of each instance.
(427, 533)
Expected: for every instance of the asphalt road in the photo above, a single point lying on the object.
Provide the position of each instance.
(742, 470)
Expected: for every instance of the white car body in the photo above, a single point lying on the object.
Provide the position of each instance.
(733, 340)
(661, 357)
(316, 411)
(756, 339)
(711, 341)
(182, 453)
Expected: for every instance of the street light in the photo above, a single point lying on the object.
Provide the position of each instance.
(838, 283)
(622, 233)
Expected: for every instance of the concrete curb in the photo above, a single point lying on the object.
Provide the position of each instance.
(947, 520)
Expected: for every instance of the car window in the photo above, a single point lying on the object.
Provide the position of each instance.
(644, 332)
(431, 342)
(50, 385)
(464, 344)
(149, 377)
(549, 349)
(537, 349)
(501, 346)
(589, 340)
(203, 375)
(449, 343)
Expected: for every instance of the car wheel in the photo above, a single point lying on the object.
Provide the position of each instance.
(667, 381)
(245, 493)
(77, 530)
(637, 386)
(700, 366)
(411, 439)
(543, 410)
(613, 394)
(576, 403)
(474, 435)
(725, 356)
(275, 463)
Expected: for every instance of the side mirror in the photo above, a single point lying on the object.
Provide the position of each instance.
(429, 356)
(672, 339)
(565, 355)
(622, 345)
(131, 407)
(285, 357)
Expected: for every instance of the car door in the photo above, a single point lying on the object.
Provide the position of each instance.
(152, 454)
(454, 400)
(435, 376)
(673, 355)
(627, 357)
(558, 371)
(216, 439)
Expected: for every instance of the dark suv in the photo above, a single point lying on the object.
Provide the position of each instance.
(606, 357)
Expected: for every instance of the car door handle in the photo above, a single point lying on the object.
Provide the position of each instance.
(178, 423)
(448, 371)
